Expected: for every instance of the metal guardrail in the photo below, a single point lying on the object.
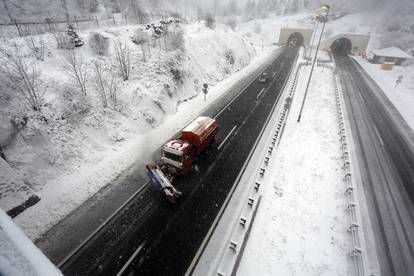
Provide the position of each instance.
(235, 244)
(232, 254)
(356, 253)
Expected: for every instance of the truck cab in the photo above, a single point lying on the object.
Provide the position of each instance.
(178, 155)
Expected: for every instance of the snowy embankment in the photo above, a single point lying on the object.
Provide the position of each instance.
(83, 146)
(18, 255)
(300, 227)
(402, 95)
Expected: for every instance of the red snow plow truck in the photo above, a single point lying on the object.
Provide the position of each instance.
(178, 155)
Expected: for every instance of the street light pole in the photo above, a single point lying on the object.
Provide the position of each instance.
(313, 38)
(324, 19)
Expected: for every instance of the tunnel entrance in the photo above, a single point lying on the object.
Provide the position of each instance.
(342, 46)
(295, 40)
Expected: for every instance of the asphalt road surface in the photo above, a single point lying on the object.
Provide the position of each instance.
(385, 154)
(157, 238)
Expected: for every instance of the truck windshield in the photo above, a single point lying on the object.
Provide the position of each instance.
(172, 156)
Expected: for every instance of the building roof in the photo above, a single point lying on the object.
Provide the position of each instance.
(392, 52)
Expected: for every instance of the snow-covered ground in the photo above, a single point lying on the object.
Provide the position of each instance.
(70, 158)
(300, 227)
(402, 95)
(84, 146)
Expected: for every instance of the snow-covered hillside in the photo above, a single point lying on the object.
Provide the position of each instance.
(75, 129)
(75, 145)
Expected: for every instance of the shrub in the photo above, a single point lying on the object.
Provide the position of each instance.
(176, 39)
(99, 43)
(175, 69)
(232, 23)
(63, 41)
(209, 20)
(229, 55)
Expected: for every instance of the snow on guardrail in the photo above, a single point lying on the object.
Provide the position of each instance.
(357, 252)
(234, 250)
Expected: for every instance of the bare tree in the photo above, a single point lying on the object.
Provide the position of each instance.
(37, 46)
(100, 84)
(107, 90)
(229, 56)
(209, 20)
(22, 76)
(135, 7)
(113, 91)
(232, 23)
(141, 38)
(122, 56)
(99, 43)
(176, 39)
(63, 41)
(77, 70)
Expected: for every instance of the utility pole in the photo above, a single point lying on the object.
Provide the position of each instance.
(323, 19)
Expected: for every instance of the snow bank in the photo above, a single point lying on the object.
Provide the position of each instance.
(300, 227)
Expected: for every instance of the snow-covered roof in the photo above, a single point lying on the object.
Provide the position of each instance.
(392, 52)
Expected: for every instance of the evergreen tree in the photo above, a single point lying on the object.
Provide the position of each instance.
(73, 36)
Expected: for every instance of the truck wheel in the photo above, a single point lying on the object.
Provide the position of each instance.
(194, 169)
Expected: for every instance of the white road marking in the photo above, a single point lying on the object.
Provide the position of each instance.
(258, 96)
(227, 105)
(274, 73)
(227, 137)
(73, 252)
(131, 259)
(379, 136)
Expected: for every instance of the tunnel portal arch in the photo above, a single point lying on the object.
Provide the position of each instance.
(301, 36)
(341, 46)
(296, 39)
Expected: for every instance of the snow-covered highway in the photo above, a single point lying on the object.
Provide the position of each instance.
(384, 146)
(172, 234)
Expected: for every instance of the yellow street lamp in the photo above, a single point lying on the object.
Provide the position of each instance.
(325, 8)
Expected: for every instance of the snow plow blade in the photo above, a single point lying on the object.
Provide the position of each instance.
(161, 183)
(158, 179)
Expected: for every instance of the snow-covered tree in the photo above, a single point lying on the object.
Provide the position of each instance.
(123, 59)
(141, 38)
(73, 36)
(209, 20)
(22, 76)
(77, 70)
(99, 43)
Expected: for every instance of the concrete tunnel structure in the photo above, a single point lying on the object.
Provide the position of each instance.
(340, 43)
(302, 36)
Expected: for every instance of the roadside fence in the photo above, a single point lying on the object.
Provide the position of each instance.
(15, 27)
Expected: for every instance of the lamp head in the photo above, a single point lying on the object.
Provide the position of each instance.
(325, 7)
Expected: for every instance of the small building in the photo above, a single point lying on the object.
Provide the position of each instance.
(390, 55)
